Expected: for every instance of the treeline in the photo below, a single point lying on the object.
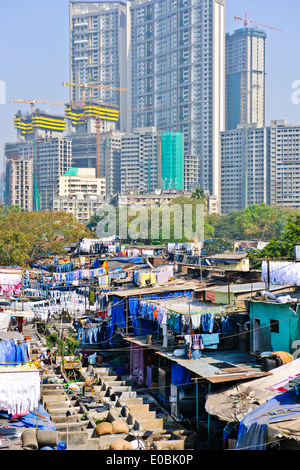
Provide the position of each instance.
(258, 222)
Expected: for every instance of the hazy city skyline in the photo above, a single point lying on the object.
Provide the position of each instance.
(35, 55)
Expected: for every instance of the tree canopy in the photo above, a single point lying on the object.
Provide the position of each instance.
(257, 222)
(282, 247)
(26, 237)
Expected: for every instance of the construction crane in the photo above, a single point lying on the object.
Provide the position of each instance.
(36, 199)
(247, 21)
(84, 87)
(34, 102)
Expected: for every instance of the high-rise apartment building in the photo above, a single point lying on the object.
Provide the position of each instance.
(191, 172)
(170, 56)
(284, 165)
(19, 182)
(54, 158)
(140, 155)
(178, 75)
(112, 145)
(99, 52)
(244, 167)
(245, 78)
(260, 165)
(40, 146)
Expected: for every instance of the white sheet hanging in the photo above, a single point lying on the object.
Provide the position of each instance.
(19, 391)
(4, 320)
(281, 272)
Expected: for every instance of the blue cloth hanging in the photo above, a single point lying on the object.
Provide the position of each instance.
(210, 341)
(118, 315)
(133, 305)
(207, 322)
(180, 375)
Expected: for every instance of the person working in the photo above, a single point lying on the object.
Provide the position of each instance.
(47, 358)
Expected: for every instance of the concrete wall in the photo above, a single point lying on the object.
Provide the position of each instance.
(288, 326)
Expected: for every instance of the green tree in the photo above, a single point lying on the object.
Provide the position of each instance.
(282, 247)
(261, 222)
(198, 194)
(26, 237)
(257, 222)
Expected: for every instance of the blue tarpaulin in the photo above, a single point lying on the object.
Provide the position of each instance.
(124, 259)
(253, 427)
(38, 419)
(180, 375)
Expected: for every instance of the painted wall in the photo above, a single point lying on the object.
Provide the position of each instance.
(288, 324)
(222, 298)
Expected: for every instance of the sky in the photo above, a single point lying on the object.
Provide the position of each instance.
(34, 55)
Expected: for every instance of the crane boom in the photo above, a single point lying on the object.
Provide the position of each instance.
(92, 85)
(247, 21)
(34, 102)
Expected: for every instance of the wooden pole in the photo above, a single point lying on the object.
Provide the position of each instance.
(228, 281)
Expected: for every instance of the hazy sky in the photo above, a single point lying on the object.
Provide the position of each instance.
(34, 54)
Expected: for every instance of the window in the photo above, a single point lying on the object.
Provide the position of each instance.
(274, 326)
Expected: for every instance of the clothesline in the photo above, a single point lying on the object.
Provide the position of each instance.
(208, 309)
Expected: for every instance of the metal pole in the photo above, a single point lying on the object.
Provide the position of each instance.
(208, 420)
(190, 345)
(197, 405)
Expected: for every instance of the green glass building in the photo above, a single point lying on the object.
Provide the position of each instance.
(172, 160)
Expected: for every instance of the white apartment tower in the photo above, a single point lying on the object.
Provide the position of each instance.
(244, 167)
(54, 159)
(99, 53)
(170, 56)
(140, 160)
(245, 77)
(178, 75)
(284, 165)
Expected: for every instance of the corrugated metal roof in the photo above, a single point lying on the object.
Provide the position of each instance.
(212, 365)
(243, 288)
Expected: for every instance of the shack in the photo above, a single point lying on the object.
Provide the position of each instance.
(231, 261)
(262, 413)
(238, 293)
(274, 323)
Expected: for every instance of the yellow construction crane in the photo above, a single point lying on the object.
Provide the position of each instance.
(34, 102)
(85, 86)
